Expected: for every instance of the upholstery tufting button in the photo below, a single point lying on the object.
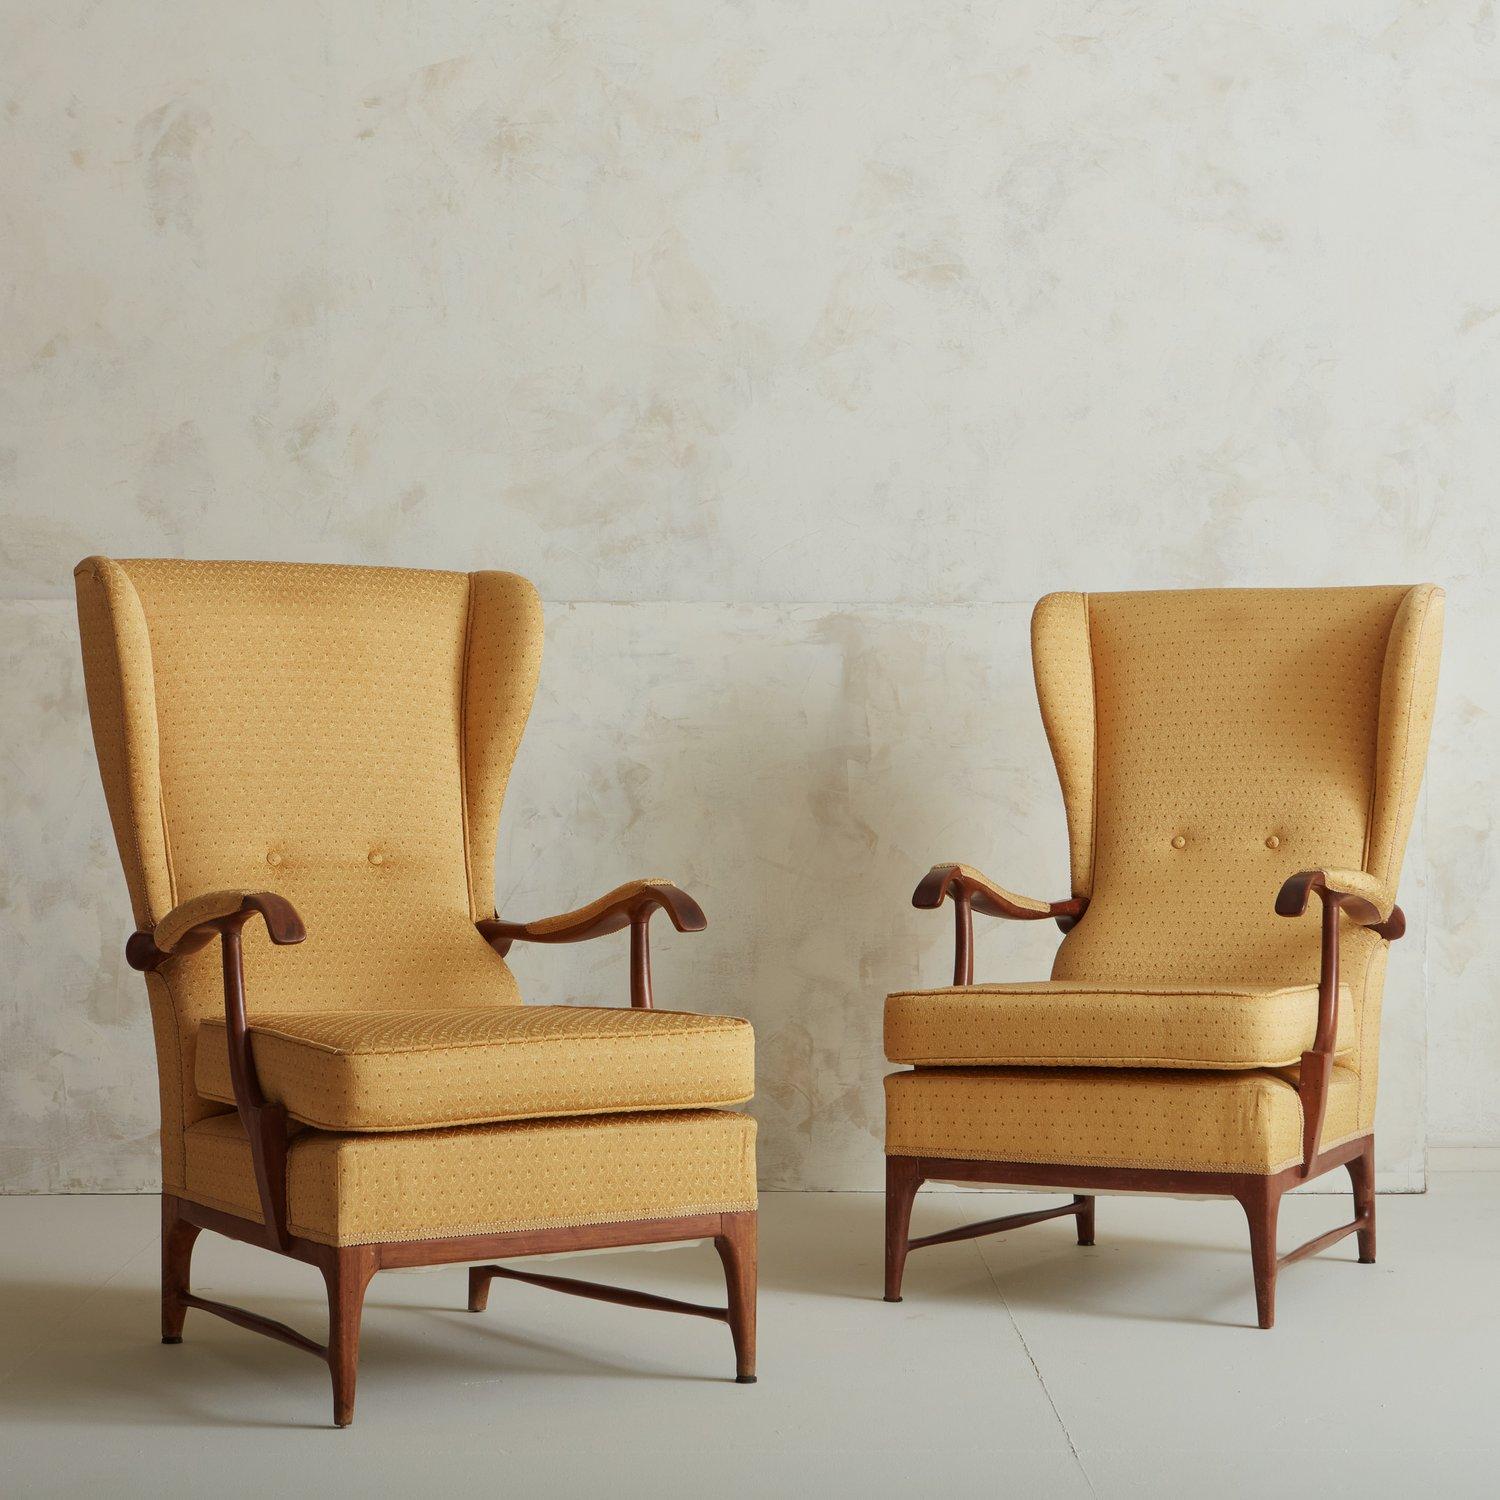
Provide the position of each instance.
(1273, 842)
(376, 857)
(1179, 842)
(273, 858)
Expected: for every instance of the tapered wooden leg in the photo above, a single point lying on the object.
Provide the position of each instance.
(736, 1244)
(347, 1271)
(1085, 1218)
(1362, 1175)
(177, 1240)
(902, 1179)
(1262, 1202)
(479, 1289)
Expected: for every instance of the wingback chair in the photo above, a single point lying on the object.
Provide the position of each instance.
(286, 745)
(1224, 756)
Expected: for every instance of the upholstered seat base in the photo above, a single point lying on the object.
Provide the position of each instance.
(1081, 1024)
(1165, 1120)
(365, 1189)
(422, 1069)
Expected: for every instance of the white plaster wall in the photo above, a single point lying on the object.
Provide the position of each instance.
(793, 349)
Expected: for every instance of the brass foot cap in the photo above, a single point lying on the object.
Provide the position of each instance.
(744, 1380)
(171, 1338)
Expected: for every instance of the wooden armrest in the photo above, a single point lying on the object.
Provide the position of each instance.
(985, 896)
(971, 892)
(631, 905)
(609, 913)
(186, 929)
(197, 922)
(1366, 903)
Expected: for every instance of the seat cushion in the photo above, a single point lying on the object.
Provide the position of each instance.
(486, 1179)
(1070, 1024)
(424, 1069)
(1172, 1121)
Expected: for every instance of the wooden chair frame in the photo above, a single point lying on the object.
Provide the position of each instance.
(1259, 1194)
(347, 1269)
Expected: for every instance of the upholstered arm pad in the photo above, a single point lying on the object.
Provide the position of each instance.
(193, 924)
(1365, 900)
(200, 909)
(609, 913)
(942, 881)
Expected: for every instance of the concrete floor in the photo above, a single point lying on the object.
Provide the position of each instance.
(1020, 1365)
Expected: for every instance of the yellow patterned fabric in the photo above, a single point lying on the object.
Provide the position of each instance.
(412, 1185)
(1210, 743)
(342, 737)
(121, 686)
(1060, 1024)
(1408, 695)
(421, 1069)
(1172, 1121)
(501, 660)
(1063, 662)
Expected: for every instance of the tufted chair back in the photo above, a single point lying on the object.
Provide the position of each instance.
(341, 736)
(1210, 743)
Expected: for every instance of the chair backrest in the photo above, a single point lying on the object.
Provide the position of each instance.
(341, 736)
(1212, 742)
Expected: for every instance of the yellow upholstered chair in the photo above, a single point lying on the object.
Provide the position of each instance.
(1224, 755)
(287, 744)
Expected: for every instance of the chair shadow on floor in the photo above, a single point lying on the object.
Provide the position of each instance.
(1039, 1268)
(94, 1355)
(100, 1358)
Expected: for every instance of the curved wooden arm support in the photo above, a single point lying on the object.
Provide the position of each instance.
(631, 905)
(265, 1123)
(970, 892)
(1316, 1072)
